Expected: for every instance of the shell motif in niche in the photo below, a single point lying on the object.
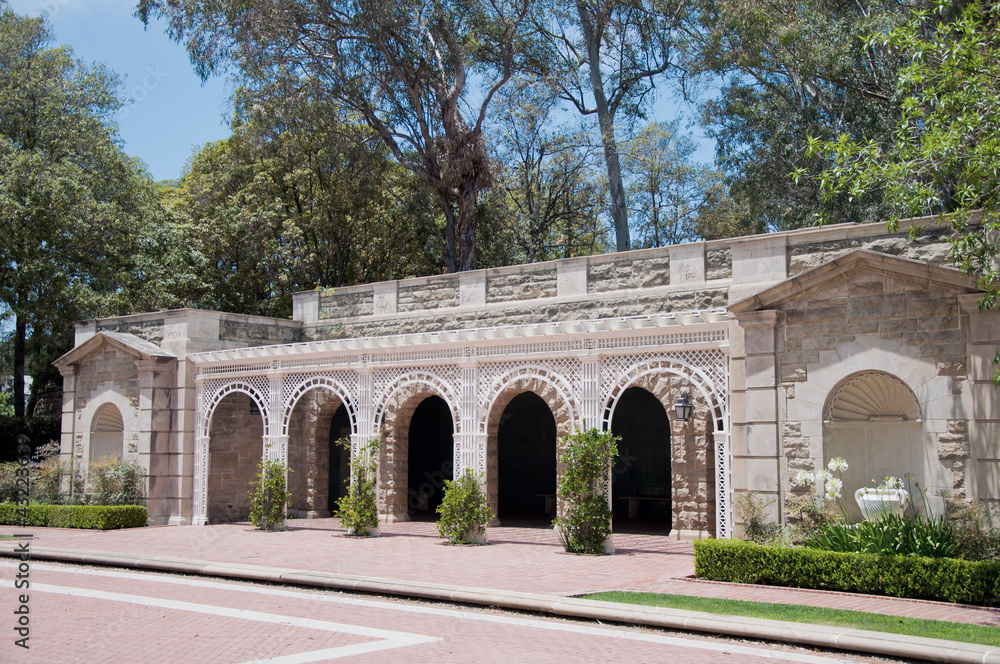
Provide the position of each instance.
(873, 397)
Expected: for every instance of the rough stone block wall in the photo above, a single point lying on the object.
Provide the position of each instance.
(257, 331)
(718, 263)
(624, 271)
(334, 304)
(150, 330)
(235, 447)
(433, 293)
(109, 366)
(932, 246)
(527, 285)
(632, 304)
(309, 452)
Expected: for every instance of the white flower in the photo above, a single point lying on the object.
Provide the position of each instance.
(837, 465)
(833, 488)
(802, 478)
(824, 475)
(891, 483)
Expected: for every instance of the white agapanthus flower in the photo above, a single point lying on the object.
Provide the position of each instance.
(803, 478)
(834, 486)
(837, 465)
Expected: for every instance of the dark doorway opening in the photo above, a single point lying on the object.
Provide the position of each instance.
(641, 480)
(431, 457)
(340, 457)
(526, 463)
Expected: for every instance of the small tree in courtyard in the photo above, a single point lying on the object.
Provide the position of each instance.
(269, 496)
(583, 489)
(358, 510)
(464, 510)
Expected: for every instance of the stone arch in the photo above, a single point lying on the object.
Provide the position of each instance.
(873, 420)
(225, 389)
(319, 382)
(108, 394)
(235, 447)
(107, 431)
(555, 396)
(393, 418)
(693, 466)
(307, 422)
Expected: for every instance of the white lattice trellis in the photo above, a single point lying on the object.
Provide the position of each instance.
(257, 388)
(344, 384)
(443, 380)
(563, 374)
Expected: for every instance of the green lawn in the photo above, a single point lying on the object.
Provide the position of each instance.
(932, 629)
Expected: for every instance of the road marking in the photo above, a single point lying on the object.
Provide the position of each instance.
(464, 614)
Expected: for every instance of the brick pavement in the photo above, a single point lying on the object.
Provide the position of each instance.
(518, 559)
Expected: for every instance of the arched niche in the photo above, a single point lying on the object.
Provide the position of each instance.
(107, 433)
(873, 420)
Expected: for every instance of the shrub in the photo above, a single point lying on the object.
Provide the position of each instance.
(752, 513)
(269, 496)
(948, 579)
(97, 517)
(586, 523)
(973, 527)
(358, 510)
(116, 482)
(464, 511)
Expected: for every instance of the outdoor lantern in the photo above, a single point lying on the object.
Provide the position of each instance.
(683, 408)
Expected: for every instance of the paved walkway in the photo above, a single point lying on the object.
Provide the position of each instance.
(518, 559)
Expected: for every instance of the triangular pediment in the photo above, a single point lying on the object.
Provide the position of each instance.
(130, 344)
(848, 266)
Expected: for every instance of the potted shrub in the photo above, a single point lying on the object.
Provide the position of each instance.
(269, 497)
(585, 526)
(464, 511)
(358, 510)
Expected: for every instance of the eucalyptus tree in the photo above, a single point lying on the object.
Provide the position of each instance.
(553, 192)
(410, 69)
(780, 71)
(603, 57)
(71, 202)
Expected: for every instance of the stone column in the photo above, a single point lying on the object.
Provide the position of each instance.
(976, 463)
(67, 438)
(754, 407)
(155, 446)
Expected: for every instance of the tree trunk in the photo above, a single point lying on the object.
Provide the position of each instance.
(20, 332)
(467, 226)
(449, 233)
(606, 121)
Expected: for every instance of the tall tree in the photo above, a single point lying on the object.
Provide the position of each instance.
(554, 196)
(941, 158)
(780, 71)
(603, 57)
(70, 200)
(667, 190)
(403, 66)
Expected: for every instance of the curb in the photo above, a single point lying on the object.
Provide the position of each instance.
(821, 636)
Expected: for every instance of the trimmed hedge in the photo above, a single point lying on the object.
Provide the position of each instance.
(948, 579)
(95, 517)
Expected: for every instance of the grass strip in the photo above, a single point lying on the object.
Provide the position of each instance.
(872, 622)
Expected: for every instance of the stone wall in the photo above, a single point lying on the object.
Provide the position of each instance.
(235, 448)
(108, 376)
(309, 453)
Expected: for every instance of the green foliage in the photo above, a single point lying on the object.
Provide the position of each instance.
(949, 579)
(269, 496)
(890, 534)
(753, 515)
(583, 489)
(941, 156)
(95, 517)
(464, 511)
(781, 71)
(116, 482)
(358, 510)
(974, 528)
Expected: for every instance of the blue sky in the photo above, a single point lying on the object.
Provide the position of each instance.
(171, 112)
